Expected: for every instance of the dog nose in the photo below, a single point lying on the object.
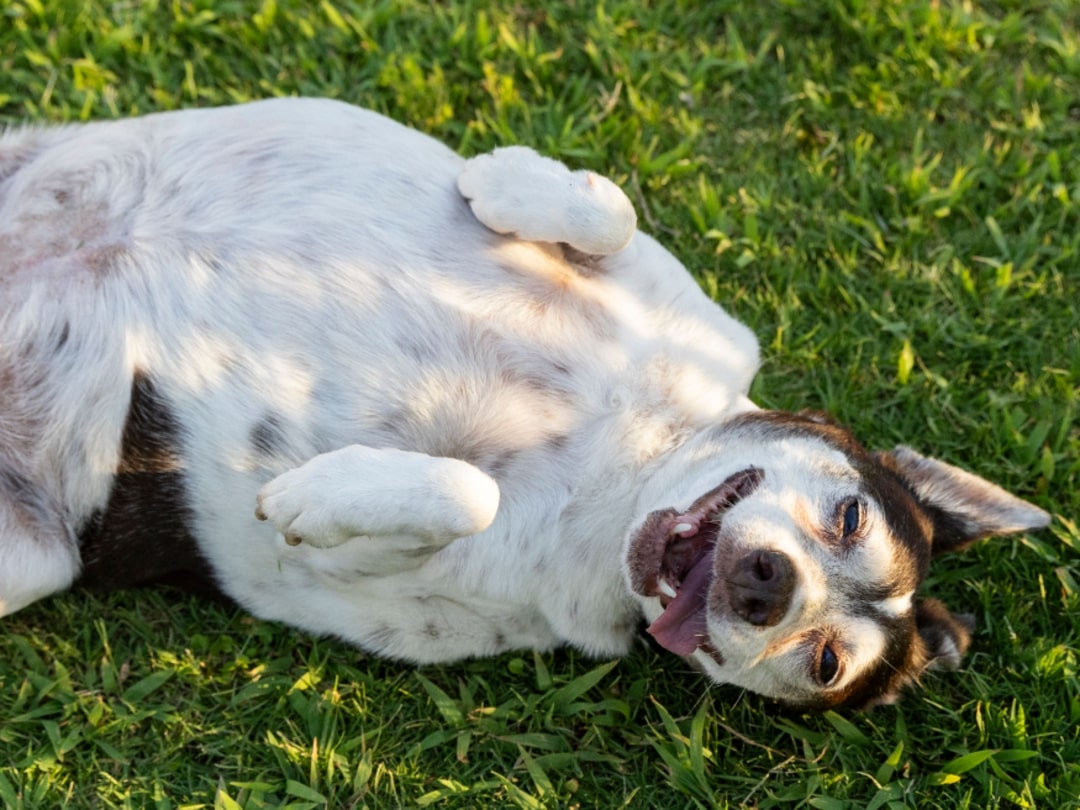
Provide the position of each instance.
(760, 587)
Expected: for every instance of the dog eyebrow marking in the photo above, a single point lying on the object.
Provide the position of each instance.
(896, 606)
(865, 641)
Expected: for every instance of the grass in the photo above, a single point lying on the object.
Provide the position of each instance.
(887, 192)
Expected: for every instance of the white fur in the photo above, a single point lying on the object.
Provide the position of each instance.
(278, 256)
(547, 202)
(360, 492)
(469, 425)
(897, 605)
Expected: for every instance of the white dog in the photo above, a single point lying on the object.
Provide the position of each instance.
(473, 407)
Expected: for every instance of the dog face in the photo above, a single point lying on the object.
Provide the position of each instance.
(793, 568)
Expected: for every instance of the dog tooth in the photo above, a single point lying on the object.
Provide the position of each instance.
(666, 589)
(683, 528)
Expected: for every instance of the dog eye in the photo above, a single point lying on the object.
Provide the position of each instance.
(828, 666)
(851, 519)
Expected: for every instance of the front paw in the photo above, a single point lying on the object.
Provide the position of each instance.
(359, 491)
(300, 505)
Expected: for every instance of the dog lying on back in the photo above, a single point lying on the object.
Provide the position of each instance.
(438, 408)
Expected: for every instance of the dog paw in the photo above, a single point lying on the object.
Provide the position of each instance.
(304, 506)
(360, 491)
(518, 192)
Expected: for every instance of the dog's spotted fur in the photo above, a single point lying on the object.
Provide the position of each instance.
(473, 408)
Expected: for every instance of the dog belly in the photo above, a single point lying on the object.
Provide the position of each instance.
(411, 616)
(287, 287)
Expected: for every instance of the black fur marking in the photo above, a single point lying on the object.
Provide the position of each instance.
(414, 348)
(561, 370)
(62, 338)
(31, 506)
(268, 435)
(865, 600)
(557, 442)
(951, 532)
(143, 535)
(497, 466)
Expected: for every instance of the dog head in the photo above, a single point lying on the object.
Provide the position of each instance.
(785, 558)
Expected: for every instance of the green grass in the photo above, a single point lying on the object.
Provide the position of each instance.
(887, 192)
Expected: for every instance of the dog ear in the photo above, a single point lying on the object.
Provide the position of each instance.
(940, 642)
(963, 507)
(945, 636)
(818, 417)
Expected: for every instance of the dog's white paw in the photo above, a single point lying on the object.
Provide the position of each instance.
(304, 504)
(516, 191)
(360, 491)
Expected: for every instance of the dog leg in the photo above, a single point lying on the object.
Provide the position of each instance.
(38, 555)
(516, 191)
(403, 506)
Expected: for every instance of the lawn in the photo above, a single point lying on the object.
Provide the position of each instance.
(887, 192)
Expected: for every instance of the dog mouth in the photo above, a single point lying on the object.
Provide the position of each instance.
(672, 558)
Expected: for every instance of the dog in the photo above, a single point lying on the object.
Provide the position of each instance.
(439, 408)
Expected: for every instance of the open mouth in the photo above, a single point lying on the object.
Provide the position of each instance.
(672, 558)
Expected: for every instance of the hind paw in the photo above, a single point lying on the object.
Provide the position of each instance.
(515, 191)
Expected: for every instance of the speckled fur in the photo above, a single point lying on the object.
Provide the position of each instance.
(452, 434)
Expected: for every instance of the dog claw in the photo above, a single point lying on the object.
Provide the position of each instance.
(259, 513)
(293, 539)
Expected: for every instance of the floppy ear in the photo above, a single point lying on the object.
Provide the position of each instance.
(945, 636)
(818, 417)
(941, 639)
(963, 507)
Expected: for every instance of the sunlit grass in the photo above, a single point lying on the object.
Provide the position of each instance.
(887, 192)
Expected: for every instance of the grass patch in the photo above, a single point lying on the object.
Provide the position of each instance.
(887, 192)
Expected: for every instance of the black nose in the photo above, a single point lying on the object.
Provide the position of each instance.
(760, 587)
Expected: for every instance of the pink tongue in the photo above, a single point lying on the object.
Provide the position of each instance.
(682, 626)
